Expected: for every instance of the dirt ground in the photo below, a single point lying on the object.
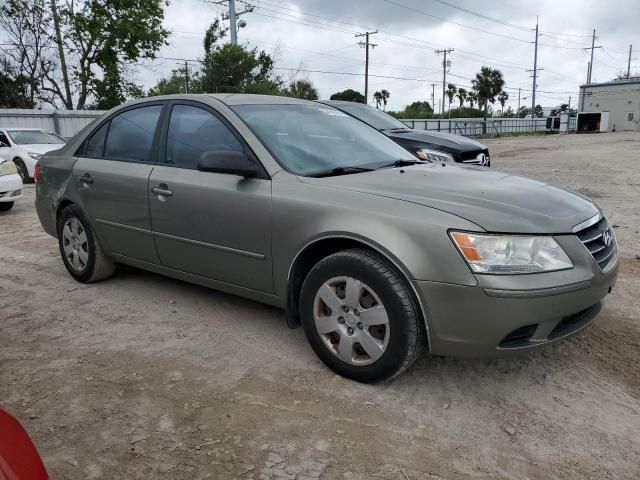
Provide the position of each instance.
(142, 376)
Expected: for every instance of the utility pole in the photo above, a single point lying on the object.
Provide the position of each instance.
(629, 63)
(444, 71)
(433, 97)
(535, 74)
(366, 46)
(186, 77)
(233, 16)
(518, 111)
(592, 48)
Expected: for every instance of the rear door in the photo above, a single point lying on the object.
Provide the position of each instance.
(209, 224)
(112, 176)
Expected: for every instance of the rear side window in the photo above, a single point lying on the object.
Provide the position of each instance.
(95, 144)
(193, 131)
(131, 134)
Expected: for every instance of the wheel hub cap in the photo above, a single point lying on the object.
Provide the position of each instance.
(351, 320)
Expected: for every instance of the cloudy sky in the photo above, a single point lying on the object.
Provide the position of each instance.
(318, 36)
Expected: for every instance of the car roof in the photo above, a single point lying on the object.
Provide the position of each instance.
(13, 129)
(251, 99)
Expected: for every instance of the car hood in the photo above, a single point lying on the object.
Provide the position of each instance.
(494, 200)
(41, 147)
(449, 141)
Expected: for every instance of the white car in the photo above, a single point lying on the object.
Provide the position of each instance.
(25, 146)
(10, 185)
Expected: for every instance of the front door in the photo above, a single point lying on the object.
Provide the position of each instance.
(209, 224)
(112, 176)
(5, 146)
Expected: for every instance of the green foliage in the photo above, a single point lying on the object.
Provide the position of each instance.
(236, 69)
(502, 98)
(108, 34)
(302, 89)
(15, 91)
(462, 96)
(451, 92)
(176, 83)
(348, 95)
(381, 97)
(415, 110)
(487, 85)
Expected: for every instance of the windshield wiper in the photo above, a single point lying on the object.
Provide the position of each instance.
(402, 163)
(340, 171)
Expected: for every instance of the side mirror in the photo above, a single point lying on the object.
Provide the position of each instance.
(4, 145)
(229, 162)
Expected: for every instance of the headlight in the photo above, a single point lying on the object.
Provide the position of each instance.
(7, 168)
(434, 155)
(505, 254)
(34, 155)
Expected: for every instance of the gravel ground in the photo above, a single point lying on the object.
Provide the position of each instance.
(146, 377)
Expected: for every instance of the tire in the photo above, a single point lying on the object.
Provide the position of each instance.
(87, 263)
(398, 343)
(6, 206)
(22, 171)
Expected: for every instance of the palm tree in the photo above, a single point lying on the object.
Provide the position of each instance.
(302, 89)
(487, 84)
(462, 96)
(502, 98)
(377, 96)
(472, 97)
(450, 93)
(384, 95)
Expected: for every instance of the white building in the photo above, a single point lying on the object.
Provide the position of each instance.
(621, 98)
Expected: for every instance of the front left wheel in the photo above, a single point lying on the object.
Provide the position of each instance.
(81, 252)
(6, 206)
(360, 317)
(22, 171)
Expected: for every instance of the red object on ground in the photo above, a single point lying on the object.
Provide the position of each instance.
(19, 459)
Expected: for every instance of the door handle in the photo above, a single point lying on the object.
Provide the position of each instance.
(86, 178)
(162, 190)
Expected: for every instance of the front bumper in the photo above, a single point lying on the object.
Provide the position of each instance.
(10, 187)
(507, 314)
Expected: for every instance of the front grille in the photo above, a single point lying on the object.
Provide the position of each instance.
(471, 157)
(594, 239)
(570, 323)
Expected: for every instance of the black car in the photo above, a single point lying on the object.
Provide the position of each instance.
(427, 145)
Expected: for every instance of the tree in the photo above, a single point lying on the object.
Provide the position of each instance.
(523, 112)
(177, 83)
(100, 36)
(487, 85)
(348, 95)
(28, 58)
(302, 89)
(539, 111)
(234, 68)
(419, 109)
(462, 96)
(385, 98)
(15, 92)
(450, 93)
(472, 98)
(502, 98)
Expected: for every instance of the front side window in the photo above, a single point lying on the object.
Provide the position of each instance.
(36, 137)
(131, 134)
(194, 131)
(4, 139)
(309, 139)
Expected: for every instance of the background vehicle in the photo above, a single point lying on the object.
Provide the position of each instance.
(427, 145)
(19, 459)
(378, 254)
(25, 146)
(10, 185)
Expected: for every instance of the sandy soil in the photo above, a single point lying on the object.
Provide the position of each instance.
(146, 377)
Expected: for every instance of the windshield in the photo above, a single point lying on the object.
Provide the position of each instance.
(309, 139)
(35, 137)
(372, 116)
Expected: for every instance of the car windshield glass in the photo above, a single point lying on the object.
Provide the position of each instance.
(34, 137)
(310, 139)
(372, 116)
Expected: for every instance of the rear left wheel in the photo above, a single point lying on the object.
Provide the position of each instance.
(360, 317)
(81, 253)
